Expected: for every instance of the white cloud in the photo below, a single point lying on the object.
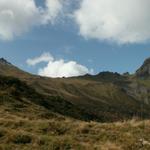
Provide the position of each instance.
(45, 57)
(18, 16)
(122, 21)
(58, 68)
(54, 8)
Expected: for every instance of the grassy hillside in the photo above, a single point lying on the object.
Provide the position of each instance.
(18, 96)
(36, 129)
(102, 112)
(105, 97)
(29, 120)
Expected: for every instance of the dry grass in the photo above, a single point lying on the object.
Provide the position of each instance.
(24, 125)
(59, 133)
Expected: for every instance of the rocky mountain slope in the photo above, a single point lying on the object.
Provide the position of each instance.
(103, 97)
(144, 70)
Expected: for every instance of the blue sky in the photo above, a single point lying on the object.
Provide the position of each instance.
(63, 41)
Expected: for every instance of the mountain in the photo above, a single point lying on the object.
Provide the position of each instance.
(4, 61)
(7, 69)
(103, 97)
(144, 70)
(85, 112)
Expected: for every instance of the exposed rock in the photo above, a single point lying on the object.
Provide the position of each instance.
(144, 70)
(4, 61)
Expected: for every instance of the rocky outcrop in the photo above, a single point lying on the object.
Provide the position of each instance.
(144, 70)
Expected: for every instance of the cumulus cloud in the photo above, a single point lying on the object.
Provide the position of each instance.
(18, 16)
(45, 57)
(54, 8)
(122, 21)
(58, 68)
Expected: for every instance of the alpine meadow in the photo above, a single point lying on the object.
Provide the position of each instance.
(74, 75)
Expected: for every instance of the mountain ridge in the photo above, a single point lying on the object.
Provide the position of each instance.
(4, 61)
(106, 96)
(144, 70)
(106, 74)
(104, 111)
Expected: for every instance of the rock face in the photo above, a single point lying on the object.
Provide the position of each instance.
(144, 70)
(4, 61)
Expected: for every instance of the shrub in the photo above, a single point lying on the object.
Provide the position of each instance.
(22, 139)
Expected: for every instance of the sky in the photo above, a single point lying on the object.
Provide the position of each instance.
(57, 38)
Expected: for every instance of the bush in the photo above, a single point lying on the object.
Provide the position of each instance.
(22, 139)
(61, 145)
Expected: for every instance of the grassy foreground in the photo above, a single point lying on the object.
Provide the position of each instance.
(54, 132)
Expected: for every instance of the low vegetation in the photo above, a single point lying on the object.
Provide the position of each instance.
(29, 120)
(103, 112)
(61, 133)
